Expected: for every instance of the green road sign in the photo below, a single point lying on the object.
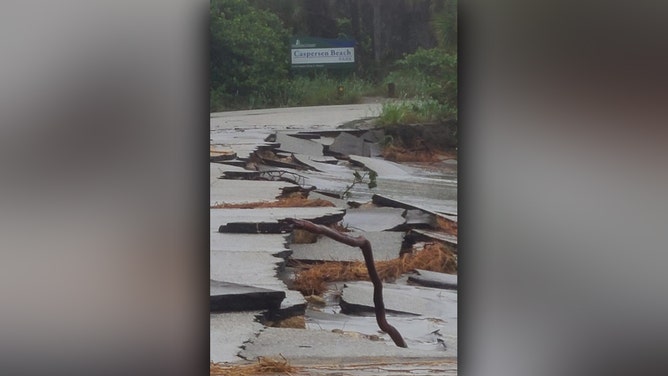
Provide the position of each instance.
(310, 52)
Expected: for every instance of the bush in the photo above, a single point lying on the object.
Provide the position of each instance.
(323, 89)
(248, 55)
(427, 75)
(426, 110)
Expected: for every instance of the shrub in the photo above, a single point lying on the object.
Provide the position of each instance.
(323, 89)
(424, 110)
(248, 54)
(427, 75)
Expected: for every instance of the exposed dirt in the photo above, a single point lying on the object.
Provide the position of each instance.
(264, 366)
(440, 136)
(283, 202)
(400, 154)
(294, 322)
(312, 279)
(449, 227)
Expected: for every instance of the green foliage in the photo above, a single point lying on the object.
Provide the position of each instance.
(248, 54)
(429, 79)
(444, 24)
(250, 60)
(415, 111)
(359, 179)
(323, 89)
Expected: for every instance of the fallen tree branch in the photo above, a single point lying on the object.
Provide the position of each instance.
(365, 246)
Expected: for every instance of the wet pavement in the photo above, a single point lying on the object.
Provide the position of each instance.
(303, 149)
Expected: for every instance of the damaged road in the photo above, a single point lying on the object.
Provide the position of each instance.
(266, 158)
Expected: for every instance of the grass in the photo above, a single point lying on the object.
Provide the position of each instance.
(324, 90)
(312, 280)
(413, 111)
(267, 366)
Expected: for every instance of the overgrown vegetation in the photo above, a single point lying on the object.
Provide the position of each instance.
(369, 178)
(409, 43)
(247, 55)
(427, 82)
(324, 89)
(312, 279)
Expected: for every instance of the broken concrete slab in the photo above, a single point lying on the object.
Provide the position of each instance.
(382, 167)
(243, 142)
(416, 300)
(373, 135)
(219, 171)
(336, 201)
(229, 331)
(434, 279)
(226, 191)
(330, 168)
(317, 346)
(371, 149)
(322, 181)
(320, 215)
(274, 244)
(233, 297)
(254, 228)
(385, 245)
(419, 332)
(258, 269)
(347, 144)
(416, 218)
(433, 206)
(421, 234)
(219, 153)
(298, 145)
(374, 219)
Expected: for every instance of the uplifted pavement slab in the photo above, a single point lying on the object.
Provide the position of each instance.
(347, 144)
(322, 215)
(435, 205)
(313, 347)
(298, 145)
(374, 219)
(416, 300)
(257, 269)
(229, 331)
(385, 245)
(312, 162)
(218, 170)
(274, 244)
(219, 153)
(243, 142)
(434, 279)
(382, 167)
(226, 191)
(232, 297)
(325, 182)
(336, 201)
(421, 234)
(416, 218)
(419, 332)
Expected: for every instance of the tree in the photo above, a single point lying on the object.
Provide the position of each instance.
(249, 52)
(444, 24)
